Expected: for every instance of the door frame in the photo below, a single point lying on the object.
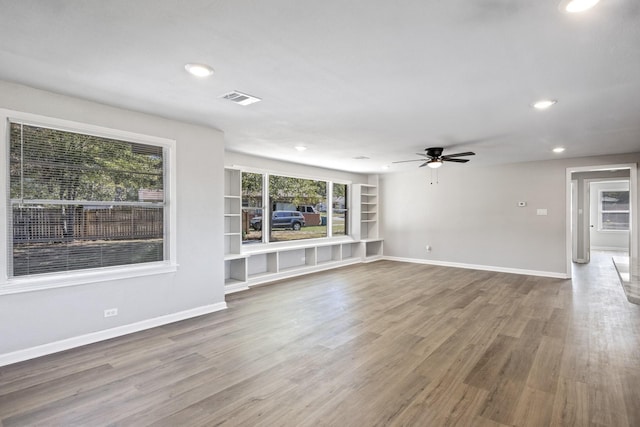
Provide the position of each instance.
(633, 203)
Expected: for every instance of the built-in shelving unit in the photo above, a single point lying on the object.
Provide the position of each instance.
(265, 265)
(257, 264)
(366, 226)
(235, 265)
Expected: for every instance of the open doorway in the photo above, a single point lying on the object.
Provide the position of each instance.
(601, 212)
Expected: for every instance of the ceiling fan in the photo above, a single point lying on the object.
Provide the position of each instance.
(434, 158)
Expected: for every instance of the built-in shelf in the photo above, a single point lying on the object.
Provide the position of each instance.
(254, 265)
(365, 228)
(234, 265)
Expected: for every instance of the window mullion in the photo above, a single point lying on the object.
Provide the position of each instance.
(266, 209)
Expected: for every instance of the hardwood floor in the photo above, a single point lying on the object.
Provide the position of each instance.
(379, 344)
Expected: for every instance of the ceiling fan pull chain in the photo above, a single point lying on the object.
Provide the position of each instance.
(437, 176)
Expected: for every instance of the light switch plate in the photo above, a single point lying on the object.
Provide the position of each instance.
(541, 212)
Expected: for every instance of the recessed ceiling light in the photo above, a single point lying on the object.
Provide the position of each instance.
(199, 70)
(558, 149)
(384, 167)
(543, 104)
(300, 147)
(577, 6)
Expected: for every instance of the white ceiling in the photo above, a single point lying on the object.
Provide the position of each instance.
(371, 78)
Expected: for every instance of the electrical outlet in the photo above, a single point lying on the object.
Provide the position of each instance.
(110, 312)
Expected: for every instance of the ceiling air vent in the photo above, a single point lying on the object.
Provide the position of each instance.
(241, 98)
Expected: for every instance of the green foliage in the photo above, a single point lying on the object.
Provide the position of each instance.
(252, 189)
(297, 191)
(59, 165)
(339, 190)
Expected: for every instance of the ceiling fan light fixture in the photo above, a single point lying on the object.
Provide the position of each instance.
(578, 6)
(543, 104)
(199, 70)
(434, 164)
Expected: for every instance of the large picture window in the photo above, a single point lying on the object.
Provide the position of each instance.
(614, 210)
(295, 208)
(79, 201)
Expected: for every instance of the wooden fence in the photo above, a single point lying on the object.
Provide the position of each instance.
(58, 224)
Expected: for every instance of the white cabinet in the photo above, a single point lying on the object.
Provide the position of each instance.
(273, 263)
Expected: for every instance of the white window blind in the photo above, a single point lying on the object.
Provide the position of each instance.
(80, 201)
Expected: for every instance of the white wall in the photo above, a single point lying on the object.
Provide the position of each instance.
(40, 317)
(471, 216)
(240, 160)
(606, 240)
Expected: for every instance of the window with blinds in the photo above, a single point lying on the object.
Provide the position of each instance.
(81, 201)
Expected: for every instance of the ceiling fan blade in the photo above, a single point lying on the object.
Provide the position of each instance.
(423, 165)
(406, 161)
(424, 155)
(466, 153)
(455, 160)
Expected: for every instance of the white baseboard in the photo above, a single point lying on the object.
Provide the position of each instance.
(552, 274)
(66, 344)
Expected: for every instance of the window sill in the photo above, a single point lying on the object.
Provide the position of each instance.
(62, 280)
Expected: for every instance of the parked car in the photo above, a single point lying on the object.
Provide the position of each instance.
(307, 209)
(311, 215)
(281, 219)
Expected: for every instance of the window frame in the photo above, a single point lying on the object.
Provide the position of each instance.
(248, 247)
(601, 212)
(10, 285)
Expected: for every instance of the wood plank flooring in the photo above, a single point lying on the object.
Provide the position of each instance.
(382, 344)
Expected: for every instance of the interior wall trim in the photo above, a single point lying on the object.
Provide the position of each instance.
(552, 274)
(68, 343)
